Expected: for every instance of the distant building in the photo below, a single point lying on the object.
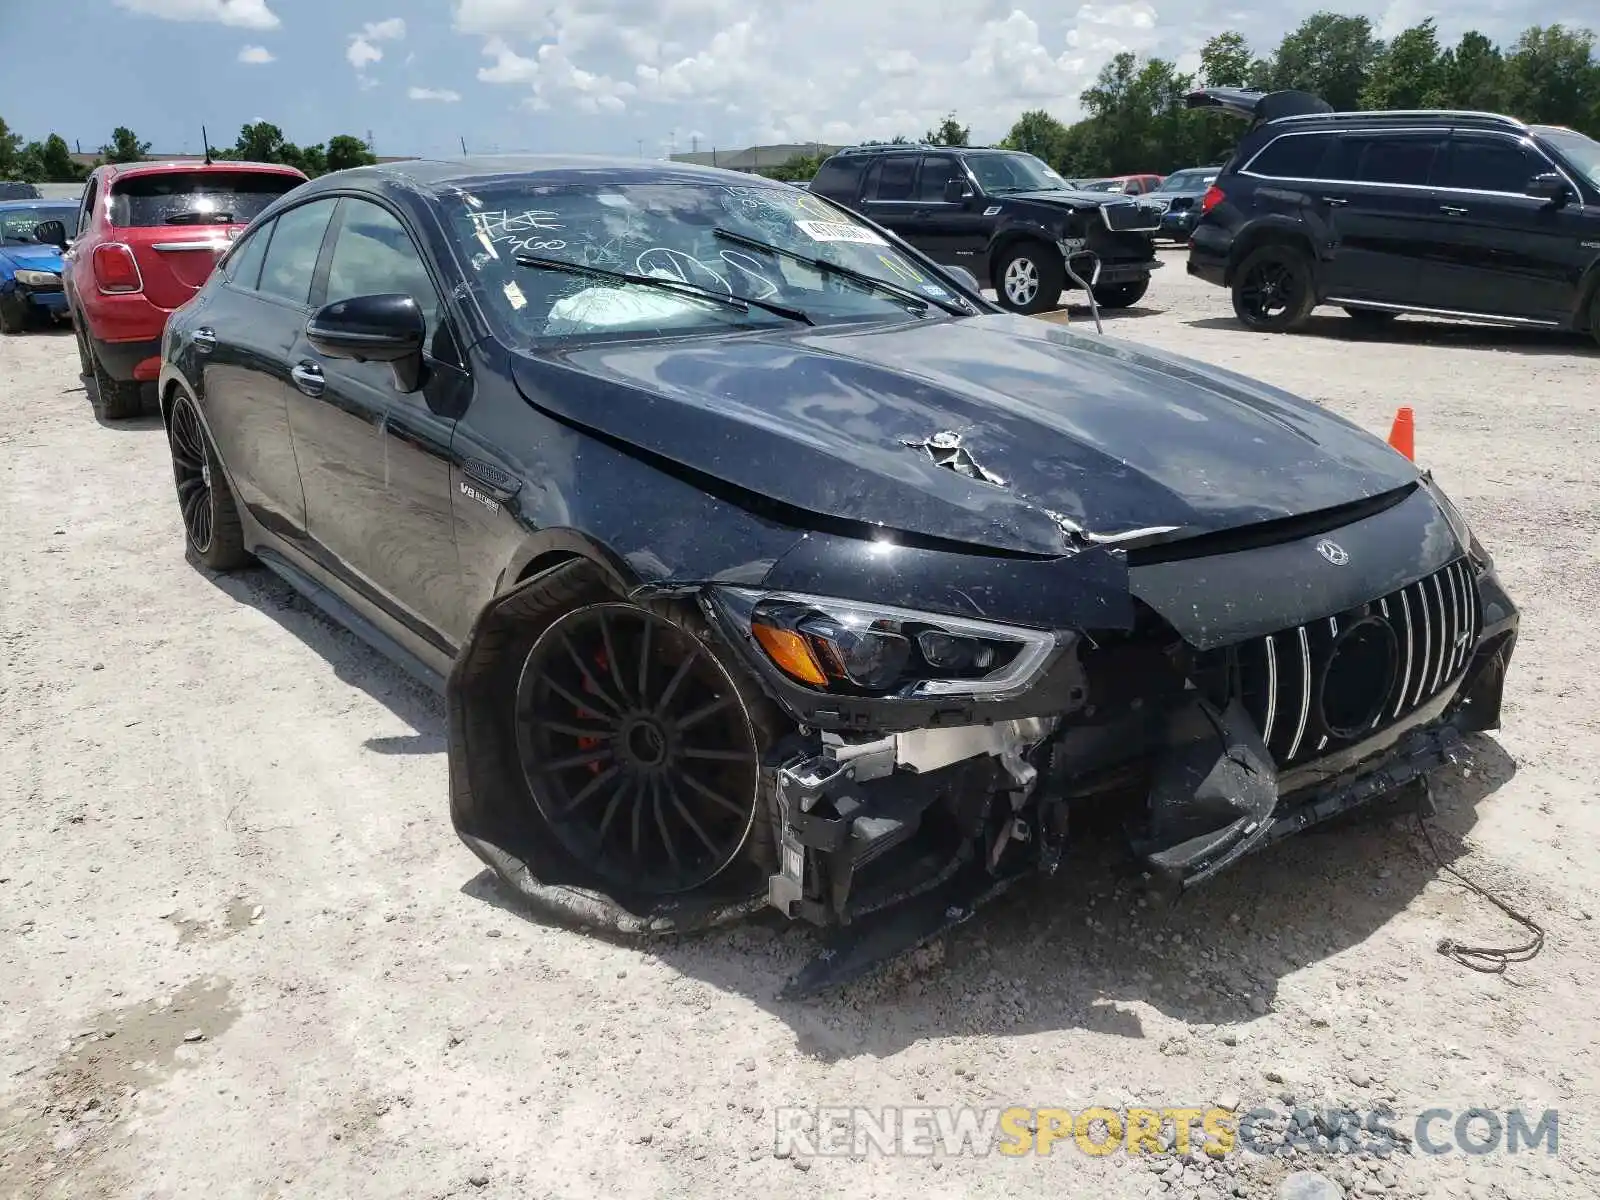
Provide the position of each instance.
(753, 158)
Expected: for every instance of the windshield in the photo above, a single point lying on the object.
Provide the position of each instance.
(1188, 181)
(1582, 153)
(196, 198)
(668, 228)
(1014, 172)
(1101, 185)
(17, 224)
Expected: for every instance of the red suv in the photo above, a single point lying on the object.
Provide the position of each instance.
(148, 236)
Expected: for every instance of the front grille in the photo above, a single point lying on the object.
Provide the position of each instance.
(1336, 681)
(1135, 217)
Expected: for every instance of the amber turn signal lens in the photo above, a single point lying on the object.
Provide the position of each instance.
(789, 650)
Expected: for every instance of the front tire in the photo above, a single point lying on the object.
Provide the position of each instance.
(1273, 289)
(211, 525)
(1029, 278)
(14, 314)
(640, 746)
(116, 399)
(1121, 295)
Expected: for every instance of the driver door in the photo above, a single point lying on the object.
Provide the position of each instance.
(952, 232)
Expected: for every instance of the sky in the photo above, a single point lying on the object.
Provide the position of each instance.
(611, 76)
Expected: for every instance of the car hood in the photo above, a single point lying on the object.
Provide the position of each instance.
(1069, 199)
(27, 257)
(1057, 434)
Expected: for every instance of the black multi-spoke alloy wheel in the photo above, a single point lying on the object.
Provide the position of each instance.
(1273, 290)
(637, 747)
(210, 519)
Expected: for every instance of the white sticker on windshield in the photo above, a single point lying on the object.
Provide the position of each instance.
(514, 294)
(839, 231)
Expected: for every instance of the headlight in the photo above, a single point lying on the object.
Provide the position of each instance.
(846, 647)
(38, 278)
(1458, 525)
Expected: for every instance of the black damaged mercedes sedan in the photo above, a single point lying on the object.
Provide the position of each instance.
(763, 562)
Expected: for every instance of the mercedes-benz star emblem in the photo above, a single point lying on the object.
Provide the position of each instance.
(1333, 552)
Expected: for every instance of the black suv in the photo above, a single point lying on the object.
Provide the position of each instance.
(1018, 226)
(1454, 214)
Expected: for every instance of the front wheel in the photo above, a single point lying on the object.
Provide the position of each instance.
(1121, 295)
(1030, 278)
(1273, 290)
(14, 315)
(211, 523)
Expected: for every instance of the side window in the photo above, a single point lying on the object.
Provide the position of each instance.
(1292, 156)
(86, 214)
(292, 255)
(1394, 159)
(937, 170)
(837, 179)
(243, 268)
(374, 255)
(893, 175)
(1488, 164)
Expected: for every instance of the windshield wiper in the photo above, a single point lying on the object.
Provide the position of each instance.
(726, 299)
(871, 283)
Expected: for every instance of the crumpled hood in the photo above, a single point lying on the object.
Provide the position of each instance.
(1110, 436)
(1071, 199)
(26, 257)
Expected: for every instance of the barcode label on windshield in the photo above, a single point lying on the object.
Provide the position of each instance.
(839, 231)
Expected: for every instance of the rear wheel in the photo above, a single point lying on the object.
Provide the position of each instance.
(1029, 278)
(1372, 318)
(1273, 289)
(1121, 295)
(115, 399)
(211, 523)
(85, 360)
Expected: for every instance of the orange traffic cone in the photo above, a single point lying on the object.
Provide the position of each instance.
(1403, 434)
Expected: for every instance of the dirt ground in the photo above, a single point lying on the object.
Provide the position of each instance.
(242, 953)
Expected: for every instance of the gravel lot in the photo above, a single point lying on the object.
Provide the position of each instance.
(242, 953)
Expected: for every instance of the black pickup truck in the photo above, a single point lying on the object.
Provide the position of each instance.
(1005, 216)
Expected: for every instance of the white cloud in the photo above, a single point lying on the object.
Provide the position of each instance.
(363, 49)
(256, 55)
(444, 95)
(841, 70)
(242, 14)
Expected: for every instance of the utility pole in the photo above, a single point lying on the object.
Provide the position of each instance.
(369, 143)
(641, 146)
(463, 145)
(695, 142)
(672, 143)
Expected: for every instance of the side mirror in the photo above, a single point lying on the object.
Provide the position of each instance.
(51, 233)
(965, 278)
(955, 191)
(1549, 186)
(386, 328)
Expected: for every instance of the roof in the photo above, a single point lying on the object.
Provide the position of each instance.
(41, 202)
(158, 167)
(436, 172)
(93, 160)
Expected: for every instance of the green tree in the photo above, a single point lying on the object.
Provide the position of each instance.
(1038, 133)
(345, 151)
(1552, 77)
(1328, 55)
(10, 148)
(949, 132)
(1409, 73)
(1472, 74)
(125, 147)
(1226, 61)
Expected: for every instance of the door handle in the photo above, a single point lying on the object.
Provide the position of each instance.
(1455, 210)
(1335, 201)
(308, 378)
(204, 339)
